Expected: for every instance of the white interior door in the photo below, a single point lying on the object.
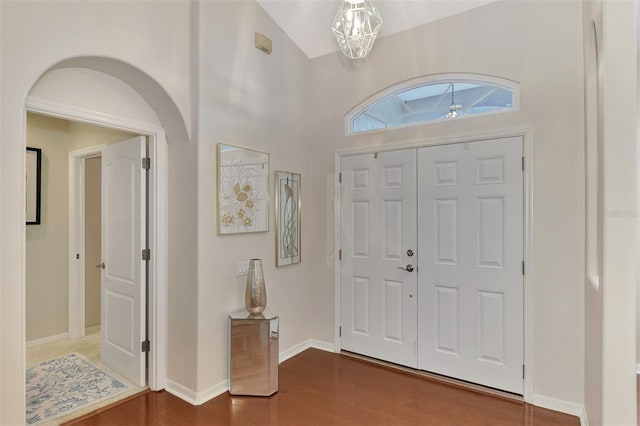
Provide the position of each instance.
(470, 221)
(123, 274)
(378, 300)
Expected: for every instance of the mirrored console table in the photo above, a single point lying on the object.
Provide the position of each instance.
(253, 353)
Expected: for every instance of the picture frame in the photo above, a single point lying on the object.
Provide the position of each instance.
(288, 218)
(33, 180)
(243, 190)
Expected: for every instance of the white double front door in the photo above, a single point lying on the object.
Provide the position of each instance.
(432, 251)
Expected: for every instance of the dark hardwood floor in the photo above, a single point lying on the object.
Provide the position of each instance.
(322, 388)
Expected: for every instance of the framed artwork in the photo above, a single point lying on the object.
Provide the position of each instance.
(288, 226)
(243, 190)
(33, 185)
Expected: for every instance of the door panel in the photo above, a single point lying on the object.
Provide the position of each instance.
(393, 311)
(491, 325)
(378, 300)
(123, 276)
(470, 291)
(446, 305)
(446, 243)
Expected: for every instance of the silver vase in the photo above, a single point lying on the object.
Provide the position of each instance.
(255, 297)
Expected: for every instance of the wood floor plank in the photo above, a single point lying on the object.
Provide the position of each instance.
(322, 388)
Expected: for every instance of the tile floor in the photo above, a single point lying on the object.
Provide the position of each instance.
(89, 346)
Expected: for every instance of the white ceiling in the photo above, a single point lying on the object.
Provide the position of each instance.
(308, 22)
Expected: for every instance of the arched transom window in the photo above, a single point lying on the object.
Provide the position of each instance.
(442, 97)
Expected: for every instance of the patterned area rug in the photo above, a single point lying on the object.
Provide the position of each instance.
(60, 385)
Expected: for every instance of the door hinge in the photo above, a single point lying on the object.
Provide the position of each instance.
(146, 254)
(375, 155)
(146, 163)
(340, 177)
(523, 267)
(523, 164)
(340, 254)
(523, 371)
(340, 331)
(146, 346)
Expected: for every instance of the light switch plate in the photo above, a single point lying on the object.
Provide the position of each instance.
(242, 268)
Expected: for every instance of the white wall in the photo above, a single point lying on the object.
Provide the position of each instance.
(259, 101)
(147, 45)
(593, 296)
(47, 244)
(539, 45)
(611, 330)
(619, 56)
(94, 91)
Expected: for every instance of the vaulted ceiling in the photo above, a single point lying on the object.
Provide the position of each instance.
(308, 22)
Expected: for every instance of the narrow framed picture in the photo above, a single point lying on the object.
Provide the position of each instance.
(33, 185)
(288, 218)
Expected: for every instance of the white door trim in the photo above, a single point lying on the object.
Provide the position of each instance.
(527, 138)
(77, 238)
(158, 220)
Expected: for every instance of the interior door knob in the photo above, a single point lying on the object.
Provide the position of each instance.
(408, 268)
(100, 266)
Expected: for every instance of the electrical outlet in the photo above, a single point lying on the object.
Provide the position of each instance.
(242, 268)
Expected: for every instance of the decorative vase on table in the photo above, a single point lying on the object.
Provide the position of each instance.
(255, 297)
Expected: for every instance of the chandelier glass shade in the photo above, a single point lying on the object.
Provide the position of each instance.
(356, 27)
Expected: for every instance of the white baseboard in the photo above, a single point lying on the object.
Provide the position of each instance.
(182, 392)
(47, 339)
(293, 351)
(198, 398)
(212, 392)
(323, 346)
(303, 346)
(567, 407)
(92, 329)
(584, 420)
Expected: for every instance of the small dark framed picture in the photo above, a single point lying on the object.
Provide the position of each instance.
(33, 185)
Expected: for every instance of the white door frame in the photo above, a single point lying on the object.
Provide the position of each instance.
(158, 225)
(77, 238)
(527, 139)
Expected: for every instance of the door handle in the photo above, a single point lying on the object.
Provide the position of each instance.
(100, 266)
(408, 268)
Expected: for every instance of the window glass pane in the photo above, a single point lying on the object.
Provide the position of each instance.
(423, 91)
(430, 102)
(364, 123)
(387, 109)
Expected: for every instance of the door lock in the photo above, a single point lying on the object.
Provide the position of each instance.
(100, 266)
(408, 268)
(409, 252)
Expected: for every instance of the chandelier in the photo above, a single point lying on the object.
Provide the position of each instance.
(454, 107)
(356, 27)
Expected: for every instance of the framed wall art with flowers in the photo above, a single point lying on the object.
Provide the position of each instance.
(243, 190)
